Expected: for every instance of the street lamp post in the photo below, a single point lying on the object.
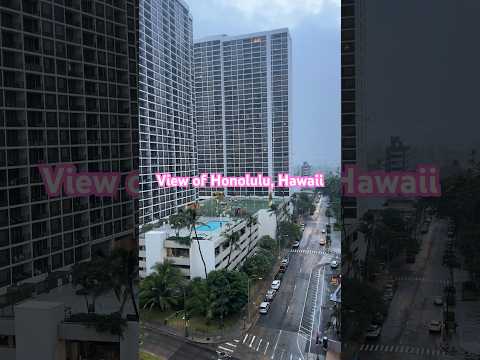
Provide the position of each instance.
(248, 294)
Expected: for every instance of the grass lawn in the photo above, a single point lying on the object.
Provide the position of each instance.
(195, 323)
(147, 356)
(155, 314)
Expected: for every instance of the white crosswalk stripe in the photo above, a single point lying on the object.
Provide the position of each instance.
(402, 348)
(259, 345)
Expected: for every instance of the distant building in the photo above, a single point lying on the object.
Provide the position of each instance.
(243, 109)
(396, 155)
(166, 132)
(306, 169)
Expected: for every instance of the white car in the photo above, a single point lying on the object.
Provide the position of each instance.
(264, 307)
(373, 331)
(270, 295)
(334, 264)
(322, 241)
(435, 326)
(276, 284)
(324, 231)
(296, 244)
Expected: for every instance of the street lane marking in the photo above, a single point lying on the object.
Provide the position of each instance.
(266, 347)
(253, 339)
(276, 344)
(245, 338)
(237, 341)
(225, 349)
(259, 343)
(288, 308)
(230, 344)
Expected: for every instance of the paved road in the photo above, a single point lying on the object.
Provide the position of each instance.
(285, 333)
(174, 348)
(405, 332)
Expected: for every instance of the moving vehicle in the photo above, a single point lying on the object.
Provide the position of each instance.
(270, 295)
(264, 307)
(275, 284)
(322, 241)
(435, 326)
(373, 331)
(296, 244)
(324, 231)
(334, 264)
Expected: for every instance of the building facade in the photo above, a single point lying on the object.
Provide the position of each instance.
(69, 95)
(160, 245)
(306, 169)
(243, 106)
(167, 134)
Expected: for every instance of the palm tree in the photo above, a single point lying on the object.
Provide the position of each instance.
(191, 218)
(276, 211)
(93, 279)
(178, 221)
(160, 289)
(251, 221)
(232, 239)
(123, 266)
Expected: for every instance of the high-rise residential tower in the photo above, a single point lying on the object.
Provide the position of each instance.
(167, 141)
(243, 106)
(69, 95)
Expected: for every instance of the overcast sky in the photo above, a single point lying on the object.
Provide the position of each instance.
(315, 29)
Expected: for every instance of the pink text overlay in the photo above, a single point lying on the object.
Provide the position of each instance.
(246, 181)
(424, 182)
(65, 177)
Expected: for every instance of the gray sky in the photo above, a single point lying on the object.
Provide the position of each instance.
(315, 29)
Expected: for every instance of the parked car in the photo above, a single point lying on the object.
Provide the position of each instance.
(270, 295)
(275, 284)
(438, 300)
(373, 331)
(435, 326)
(296, 244)
(334, 264)
(264, 307)
(284, 265)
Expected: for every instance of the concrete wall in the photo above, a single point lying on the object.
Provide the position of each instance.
(196, 265)
(7, 354)
(154, 247)
(36, 324)
(129, 348)
(266, 223)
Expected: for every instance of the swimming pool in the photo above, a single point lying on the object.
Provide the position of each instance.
(211, 225)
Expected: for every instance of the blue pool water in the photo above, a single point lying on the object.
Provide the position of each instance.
(211, 225)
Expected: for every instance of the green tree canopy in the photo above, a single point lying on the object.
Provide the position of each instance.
(162, 288)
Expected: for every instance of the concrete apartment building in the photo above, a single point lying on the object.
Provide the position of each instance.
(167, 134)
(69, 91)
(243, 108)
(69, 95)
(158, 244)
